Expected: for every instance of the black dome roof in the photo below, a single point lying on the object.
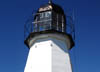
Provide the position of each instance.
(51, 7)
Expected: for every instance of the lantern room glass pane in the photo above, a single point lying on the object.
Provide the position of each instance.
(42, 21)
(58, 22)
(49, 20)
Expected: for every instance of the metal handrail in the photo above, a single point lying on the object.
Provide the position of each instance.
(42, 21)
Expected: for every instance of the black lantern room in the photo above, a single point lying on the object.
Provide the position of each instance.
(49, 17)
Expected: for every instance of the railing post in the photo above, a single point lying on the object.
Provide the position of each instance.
(57, 23)
(62, 24)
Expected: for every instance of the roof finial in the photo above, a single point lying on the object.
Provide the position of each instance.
(50, 1)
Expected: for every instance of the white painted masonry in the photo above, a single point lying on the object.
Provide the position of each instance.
(48, 55)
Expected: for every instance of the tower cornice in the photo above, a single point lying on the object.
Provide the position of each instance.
(33, 37)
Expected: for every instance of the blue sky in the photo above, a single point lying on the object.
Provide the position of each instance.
(13, 14)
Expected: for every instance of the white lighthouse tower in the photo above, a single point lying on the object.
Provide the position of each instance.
(48, 43)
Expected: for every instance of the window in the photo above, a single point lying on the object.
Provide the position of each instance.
(41, 15)
(48, 14)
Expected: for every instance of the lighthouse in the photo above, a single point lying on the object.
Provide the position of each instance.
(48, 42)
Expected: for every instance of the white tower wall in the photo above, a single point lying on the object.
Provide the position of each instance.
(48, 55)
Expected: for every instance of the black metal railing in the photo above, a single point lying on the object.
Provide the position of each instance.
(55, 22)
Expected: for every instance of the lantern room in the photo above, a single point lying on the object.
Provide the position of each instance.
(49, 17)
